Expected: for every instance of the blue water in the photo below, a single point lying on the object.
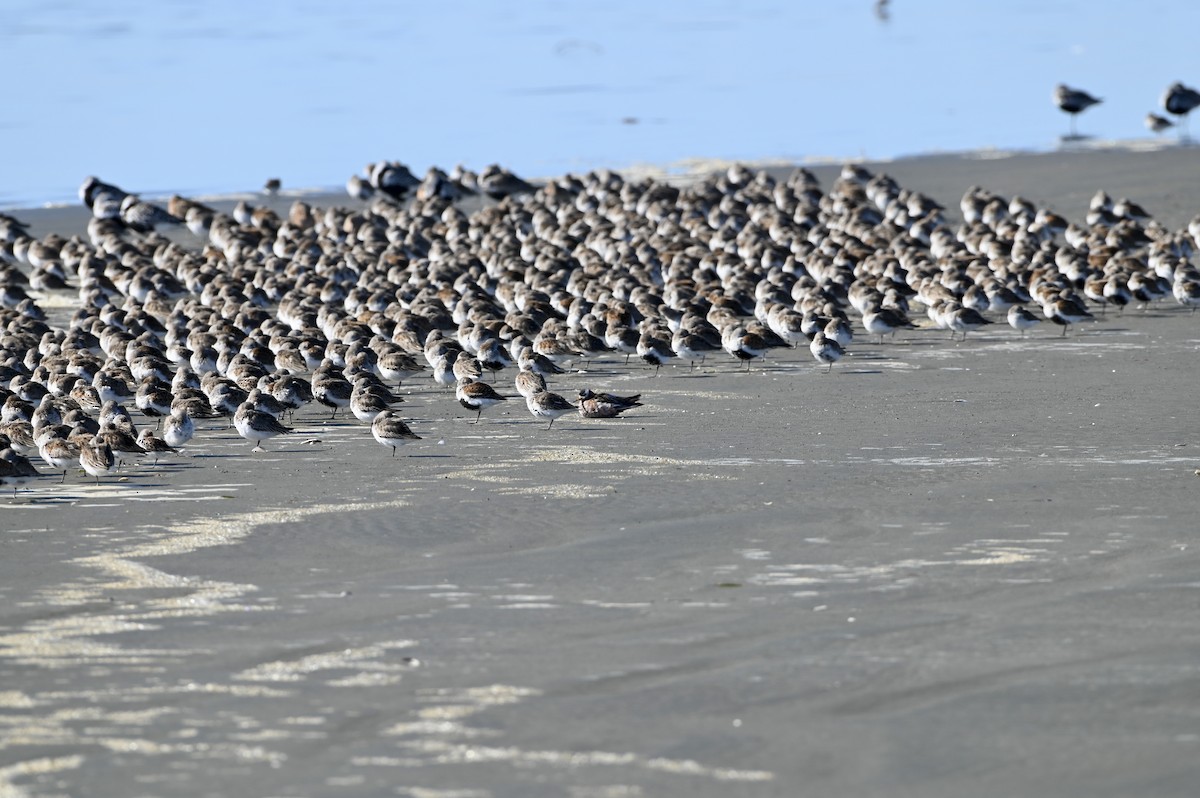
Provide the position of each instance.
(216, 96)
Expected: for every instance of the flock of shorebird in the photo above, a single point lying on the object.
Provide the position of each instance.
(1177, 100)
(254, 315)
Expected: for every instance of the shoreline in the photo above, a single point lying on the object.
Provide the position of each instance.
(691, 168)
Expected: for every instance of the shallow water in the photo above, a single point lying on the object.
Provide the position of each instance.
(217, 96)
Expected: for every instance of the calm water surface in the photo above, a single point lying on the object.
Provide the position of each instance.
(215, 96)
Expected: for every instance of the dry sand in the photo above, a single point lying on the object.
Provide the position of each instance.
(943, 569)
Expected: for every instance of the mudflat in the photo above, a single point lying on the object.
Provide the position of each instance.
(940, 569)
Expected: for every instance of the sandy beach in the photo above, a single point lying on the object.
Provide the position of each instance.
(942, 569)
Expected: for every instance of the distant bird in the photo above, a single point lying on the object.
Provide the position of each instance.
(392, 178)
(1073, 101)
(1180, 100)
(1157, 124)
(359, 188)
(93, 188)
(272, 186)
(498, 182)
(144, 216)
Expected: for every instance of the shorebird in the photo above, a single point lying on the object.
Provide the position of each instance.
(493, 357)
(390, 430)
(1065, 311)
(93, 186)
(529, 382)
(605, 405)
(398, 366)
(121, 440)
(254, 425)
(15, 468)
(59, 453)
(964, 320)
(1179, 100)
(826, 350)
(178, 427)
(885, 321)
(498, 182)
(97, 459)
(742, 344)
(545, 404)
(477, 396)
(1021, 319)
(528, 360)
(1157, 124)
(1073, 101)
(331, 388)
(154, 445)
(367, 404)
(392, 178)
(654, 350)
(143, 217)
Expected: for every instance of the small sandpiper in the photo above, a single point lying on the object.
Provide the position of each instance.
(605, 405)
(59, 453)
(545, 404)
(97, 459)
(254, 425)
(1021, 319)
(529, 382)
(1065, 311)
(1157, 124)
(154, 445)
(178, 428)
(477, 396)
(826, 350)
(390, 430)
(885, 321)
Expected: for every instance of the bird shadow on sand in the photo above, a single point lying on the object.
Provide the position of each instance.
(857, 371)
(911, 342)
(52, 501)
(308, 449)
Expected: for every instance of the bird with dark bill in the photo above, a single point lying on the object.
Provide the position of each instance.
(477, 396)
(605, 405)
(545, 404)
(389, 429)
(1073, 101)
(1180, 100)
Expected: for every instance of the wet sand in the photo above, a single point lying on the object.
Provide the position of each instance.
(942, 569)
